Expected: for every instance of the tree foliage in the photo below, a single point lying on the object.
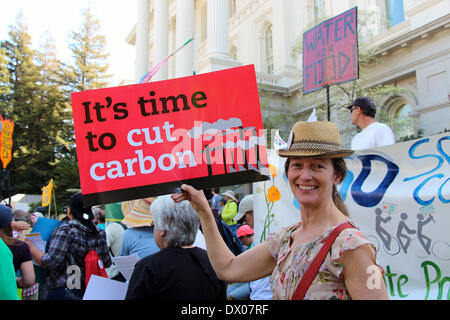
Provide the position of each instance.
(35, 88)
(88, 47)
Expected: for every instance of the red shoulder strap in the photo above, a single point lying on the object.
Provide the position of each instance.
(310, 274)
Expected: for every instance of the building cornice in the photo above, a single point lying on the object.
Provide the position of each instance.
(267, 82)
(406, 70)
(406, 39)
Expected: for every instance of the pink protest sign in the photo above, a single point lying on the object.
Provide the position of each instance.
(330, 52)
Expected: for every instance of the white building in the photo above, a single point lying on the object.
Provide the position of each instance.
(413, 37)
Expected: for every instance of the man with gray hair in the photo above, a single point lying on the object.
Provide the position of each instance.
(180, 271)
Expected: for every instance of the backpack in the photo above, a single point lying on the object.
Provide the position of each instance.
(231, 240)
(93, 265)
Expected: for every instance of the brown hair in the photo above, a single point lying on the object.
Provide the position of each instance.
(20, 215)
(340, 168)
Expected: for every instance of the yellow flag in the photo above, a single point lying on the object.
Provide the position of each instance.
(47, 193)
(6, 141)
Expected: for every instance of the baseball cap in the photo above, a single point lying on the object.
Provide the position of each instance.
(366, 104)
(244, 230)
(245, 205)
(6, 216)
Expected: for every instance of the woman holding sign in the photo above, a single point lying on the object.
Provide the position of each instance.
(322, 257)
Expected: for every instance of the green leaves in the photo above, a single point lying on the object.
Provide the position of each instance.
(35, 88)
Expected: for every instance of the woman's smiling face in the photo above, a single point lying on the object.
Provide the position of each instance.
(312, 180)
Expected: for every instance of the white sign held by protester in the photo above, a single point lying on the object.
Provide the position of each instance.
(399, 196)
(100, 288)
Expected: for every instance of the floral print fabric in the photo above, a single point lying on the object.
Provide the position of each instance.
(328, 283)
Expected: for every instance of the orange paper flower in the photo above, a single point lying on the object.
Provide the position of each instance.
(273, 170)
(273, 194)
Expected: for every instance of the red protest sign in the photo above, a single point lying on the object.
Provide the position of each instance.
(330, 52)
(146, 139)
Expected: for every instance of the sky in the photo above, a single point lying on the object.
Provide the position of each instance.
(60, 17)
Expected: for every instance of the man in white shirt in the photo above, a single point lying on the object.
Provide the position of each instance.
(373, 134)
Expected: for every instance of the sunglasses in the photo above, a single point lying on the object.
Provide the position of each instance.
(353, 108)
(246, 236)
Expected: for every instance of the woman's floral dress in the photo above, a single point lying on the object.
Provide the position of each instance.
(329, 282)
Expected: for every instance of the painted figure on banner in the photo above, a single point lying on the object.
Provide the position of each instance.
(403, 238)
(382, 233)
(424, 240)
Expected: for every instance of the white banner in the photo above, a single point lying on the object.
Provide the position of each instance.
(399, 197)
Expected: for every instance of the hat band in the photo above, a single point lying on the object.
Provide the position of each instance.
(314, 146)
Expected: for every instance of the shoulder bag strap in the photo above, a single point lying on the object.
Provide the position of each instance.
(313, 268)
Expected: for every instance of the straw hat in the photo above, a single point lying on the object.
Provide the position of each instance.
(230, 193)
(315, 139)
(137, 212)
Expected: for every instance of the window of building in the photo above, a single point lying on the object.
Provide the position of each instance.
(403, 111)
(269, 50)
(395, 12)
(403, 117)
(319, 10)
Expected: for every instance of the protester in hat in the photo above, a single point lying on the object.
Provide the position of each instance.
(180, 271)
(245, 211)
(230, 209)
(314, 166)
(68, 247)
(22, 259)
(245, 234)
(139, 237)
(8, 285)
(373, 134)
(259, 289)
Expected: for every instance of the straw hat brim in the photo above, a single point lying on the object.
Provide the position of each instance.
(343, 153)
(137, 213)
(319, 139)
(131, 221)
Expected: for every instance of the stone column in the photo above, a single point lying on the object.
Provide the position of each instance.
(284, 37)
(161, 37)
(184, 31)
(142, 39)
(217, 24)
(218, 50)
